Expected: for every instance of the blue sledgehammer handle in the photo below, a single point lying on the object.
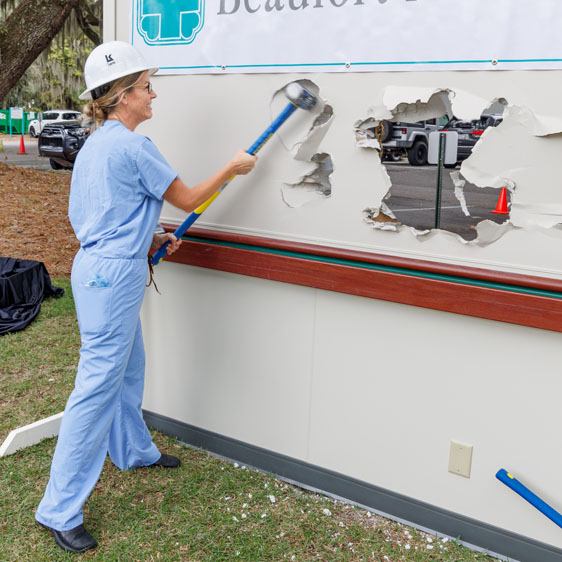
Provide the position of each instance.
(264, 137)
(511, 482)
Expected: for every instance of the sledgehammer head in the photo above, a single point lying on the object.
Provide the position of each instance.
(300, 96)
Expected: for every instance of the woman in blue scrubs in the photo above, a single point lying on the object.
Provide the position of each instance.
(118, 186)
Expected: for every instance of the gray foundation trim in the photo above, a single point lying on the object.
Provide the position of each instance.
(471, 531)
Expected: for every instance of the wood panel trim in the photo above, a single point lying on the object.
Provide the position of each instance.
(529, 281)
(510, 306)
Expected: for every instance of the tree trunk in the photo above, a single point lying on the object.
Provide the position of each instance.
(26, 33)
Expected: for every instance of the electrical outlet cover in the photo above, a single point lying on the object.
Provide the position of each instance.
(460, 458)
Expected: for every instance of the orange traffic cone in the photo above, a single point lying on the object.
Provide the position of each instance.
(501, 207)
(22, 146)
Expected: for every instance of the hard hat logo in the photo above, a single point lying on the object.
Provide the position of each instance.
(110, 61)
(161, 22)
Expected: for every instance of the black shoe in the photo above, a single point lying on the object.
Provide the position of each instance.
(74, 540)
(167, 461)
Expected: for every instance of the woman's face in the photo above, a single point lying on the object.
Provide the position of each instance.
(139, 99)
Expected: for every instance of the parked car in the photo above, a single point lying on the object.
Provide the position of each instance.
(411, 139)
(469, 132)
(51, 117)
(61, 143)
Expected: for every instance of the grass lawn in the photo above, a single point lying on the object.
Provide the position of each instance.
(208, 509)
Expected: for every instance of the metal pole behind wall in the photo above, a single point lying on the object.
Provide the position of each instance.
(442, 140)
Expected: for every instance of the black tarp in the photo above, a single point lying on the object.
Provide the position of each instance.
(23, 286)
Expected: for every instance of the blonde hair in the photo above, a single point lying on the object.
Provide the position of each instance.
(99, 109)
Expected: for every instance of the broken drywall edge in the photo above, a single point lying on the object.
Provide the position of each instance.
(416, 104)
(303, 147)
(401, 103)
(471, 171)
(531, 162)
(31, 434)
(296, 130)
(382, 218)
(459, 184)
(366, 142)
(307, 148)
(364, 134)
(537, 124)
(311, 186)
(467, 106)
(487, 231)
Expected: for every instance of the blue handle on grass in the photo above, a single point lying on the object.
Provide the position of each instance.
(264, 137)
(511, 482)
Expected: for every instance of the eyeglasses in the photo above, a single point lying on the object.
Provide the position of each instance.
(147, 87)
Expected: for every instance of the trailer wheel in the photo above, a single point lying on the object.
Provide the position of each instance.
(417, 155)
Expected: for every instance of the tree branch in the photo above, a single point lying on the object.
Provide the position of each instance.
(86, 19)
(24, 35)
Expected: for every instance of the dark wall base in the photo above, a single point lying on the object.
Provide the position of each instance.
(472, 531)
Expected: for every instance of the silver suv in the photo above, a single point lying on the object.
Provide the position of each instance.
(409, 138)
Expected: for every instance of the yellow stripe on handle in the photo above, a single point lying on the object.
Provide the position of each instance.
(203, 206)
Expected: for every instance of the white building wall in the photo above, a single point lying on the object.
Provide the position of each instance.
(371, 389)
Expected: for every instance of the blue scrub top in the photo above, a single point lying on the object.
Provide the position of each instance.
(116, 192)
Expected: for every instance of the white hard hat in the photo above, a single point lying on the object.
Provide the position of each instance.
(110, 61)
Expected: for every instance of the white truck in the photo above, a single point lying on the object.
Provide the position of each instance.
(50, 118)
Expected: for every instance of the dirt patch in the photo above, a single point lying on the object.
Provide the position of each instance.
(34, 218)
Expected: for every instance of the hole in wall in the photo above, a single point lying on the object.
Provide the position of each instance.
(311, 186)
(303, 144)
(406, 144)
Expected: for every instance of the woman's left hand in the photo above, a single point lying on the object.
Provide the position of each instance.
(159, 239)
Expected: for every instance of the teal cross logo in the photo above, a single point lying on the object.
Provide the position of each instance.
(169, 22)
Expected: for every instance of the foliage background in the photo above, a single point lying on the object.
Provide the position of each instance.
(56, 79)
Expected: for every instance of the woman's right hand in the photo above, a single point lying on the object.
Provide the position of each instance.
(243, 163)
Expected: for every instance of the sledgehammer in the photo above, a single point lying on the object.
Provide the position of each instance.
(299, 97)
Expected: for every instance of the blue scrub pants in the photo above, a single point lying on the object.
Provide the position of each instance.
(103, 413)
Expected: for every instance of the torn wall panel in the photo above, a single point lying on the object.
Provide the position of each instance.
(459, 184)
(253, 205)
(512, 154)
(408, 104)
(304, 146)
(295, 132)
(409, 135)
(540, 125)
(313, 185)
(307, 147)
(416, 104)
(485, 167)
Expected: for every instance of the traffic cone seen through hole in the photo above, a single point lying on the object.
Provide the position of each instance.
(501, 207)
(22, 146)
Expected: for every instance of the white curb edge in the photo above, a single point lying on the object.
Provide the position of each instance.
(31, 434)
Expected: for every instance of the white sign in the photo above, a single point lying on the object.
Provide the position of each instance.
(235, 36)
(451, 140)
(16, 112)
